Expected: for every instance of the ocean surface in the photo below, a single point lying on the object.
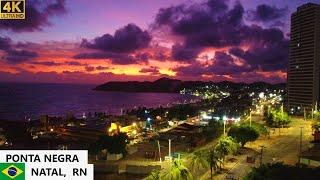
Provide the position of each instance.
(19, 101)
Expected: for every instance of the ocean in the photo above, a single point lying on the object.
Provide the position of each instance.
(20, 101)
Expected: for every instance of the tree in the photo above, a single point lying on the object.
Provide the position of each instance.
(225, 146)
(278, 118)
(280, 171)
(178, 171)
(18, 134)
(243, 134)
(213, 130)
(269, 120)
(206, 159)
(182, 111)
(262, 129)
(95, 149)
(198, 160)
(213, 160)
(118, 144)
(114, 144)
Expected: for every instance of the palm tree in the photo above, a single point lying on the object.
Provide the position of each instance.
(198, 160)
(225, 146)
(213, 160)
(205, 159)
(178, 171)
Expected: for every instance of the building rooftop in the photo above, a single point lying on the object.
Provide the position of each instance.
(307, 5)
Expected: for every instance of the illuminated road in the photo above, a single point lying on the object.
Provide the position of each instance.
(283, 147)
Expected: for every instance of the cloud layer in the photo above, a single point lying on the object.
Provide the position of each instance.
(209, 40)
(216, 25)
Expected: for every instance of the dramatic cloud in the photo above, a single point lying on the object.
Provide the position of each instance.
(126, 39)
(202, 27)
(218, 5)
(182, 53)
(19, 56)
(116, 58)
(89, 68)
(56, 8)
(207, 40)
(193, 70)
(46, 63)
(210, 26)
(5, 43)
(143, 56)
(151, 70)
(37, 15)
(269, 50)
(101, 68)
(160, 56)
(74, 63)
(222, 64)
(215, 25)
(13, 55)
(266, 13)
(119, 48)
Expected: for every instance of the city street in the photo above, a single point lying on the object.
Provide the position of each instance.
(283, 147)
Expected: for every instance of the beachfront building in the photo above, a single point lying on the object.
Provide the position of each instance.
(303, 71)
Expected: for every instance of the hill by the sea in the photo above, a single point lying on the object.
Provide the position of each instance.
(167, 85)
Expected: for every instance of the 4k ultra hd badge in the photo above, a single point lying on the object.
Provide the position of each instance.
(12, 9)
(12, 171)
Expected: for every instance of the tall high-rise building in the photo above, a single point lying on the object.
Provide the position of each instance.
(304, 63)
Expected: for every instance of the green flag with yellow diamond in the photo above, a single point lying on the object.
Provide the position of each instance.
(12, 171)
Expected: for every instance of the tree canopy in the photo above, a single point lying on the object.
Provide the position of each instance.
(114, 144)
(277, 118)
(176, 171)
(243, 134)
(225, 146)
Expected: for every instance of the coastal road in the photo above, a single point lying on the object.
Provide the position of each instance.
(283, 147)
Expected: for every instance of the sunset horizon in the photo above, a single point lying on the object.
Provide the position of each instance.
(237, 41)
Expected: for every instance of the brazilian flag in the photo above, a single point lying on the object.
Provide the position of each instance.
(12, 171)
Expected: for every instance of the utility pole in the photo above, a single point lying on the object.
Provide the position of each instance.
(224, 118)
(224, 127)
(282, 111)
(312, 114)
(159, 151)
(304, 114)
(316, 110)
(250, 117)
(170, 149)
(261, 151)
(300, 148)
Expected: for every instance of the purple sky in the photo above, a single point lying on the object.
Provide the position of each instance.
(64, 41)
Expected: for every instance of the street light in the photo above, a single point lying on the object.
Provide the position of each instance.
(300, 149)
(170, 149)
(250, 117)
(159, 151)
(224, 125)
